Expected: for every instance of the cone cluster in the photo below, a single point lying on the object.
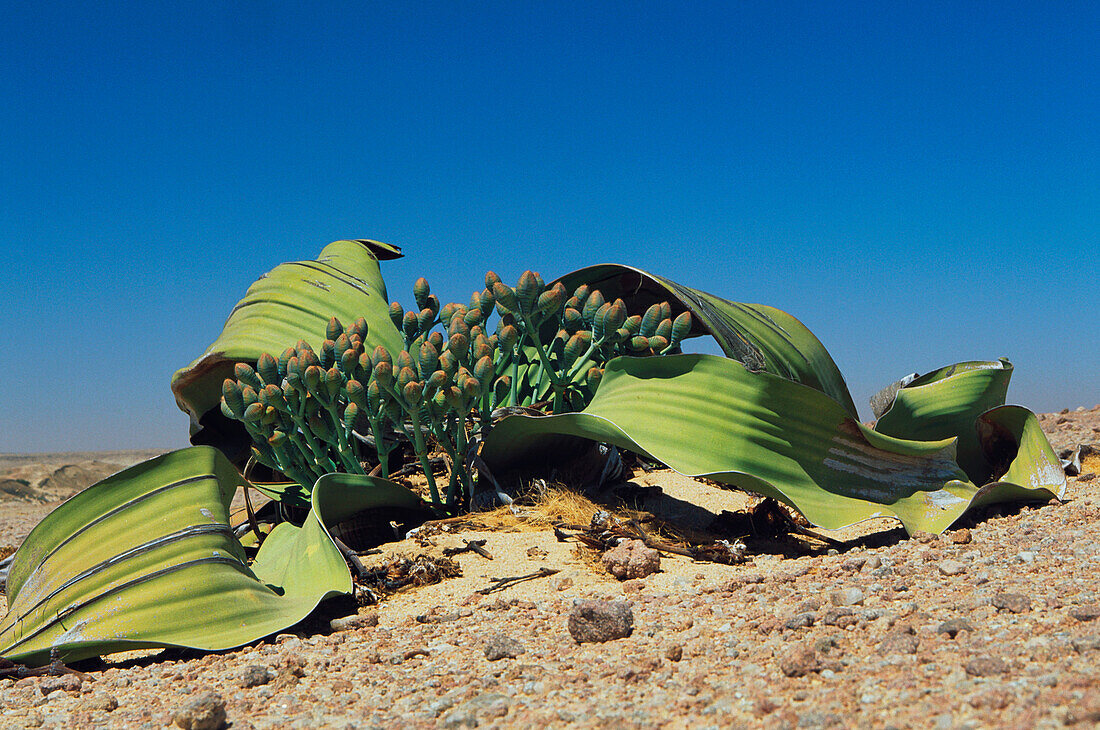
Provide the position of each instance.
(312, 412)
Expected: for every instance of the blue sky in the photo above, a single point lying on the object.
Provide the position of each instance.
(916, 182)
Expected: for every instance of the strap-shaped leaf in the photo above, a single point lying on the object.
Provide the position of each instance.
(146, 558)
(946, 403)
(294, 301)
(709, 416)
(763, 338)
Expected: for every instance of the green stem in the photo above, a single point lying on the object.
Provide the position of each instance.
(380, 450)
(343, 449)
(513, 395)
(422, 454)
(458, 432)
(320, 453)
(544, 357)
(583, 359)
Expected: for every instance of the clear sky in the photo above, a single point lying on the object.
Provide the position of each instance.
(917, 182)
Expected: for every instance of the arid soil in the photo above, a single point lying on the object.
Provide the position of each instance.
(996, 623)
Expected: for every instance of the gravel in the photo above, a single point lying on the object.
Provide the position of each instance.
(760, 644)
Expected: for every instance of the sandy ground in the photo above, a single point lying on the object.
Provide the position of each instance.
(993, 624)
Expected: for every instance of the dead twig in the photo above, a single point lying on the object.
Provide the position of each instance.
(472, 546)
(438, 464)
(352, 557)
(55, 668)
(248, 502)
(609, 534)
(499, 584)
(777, 520)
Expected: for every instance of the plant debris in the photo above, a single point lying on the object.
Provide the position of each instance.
(499, 584)
(606, 531)
(400, 571)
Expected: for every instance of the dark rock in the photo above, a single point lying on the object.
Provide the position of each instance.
(986, 666)
(1085, 613)
(953, 626)
(800, 621)
(598, 621)
(674, 653)
(1014, 602)
(841, 617)
(854, 564)
(632, 559)
(205, 712)
(903, 640)
(502, 646)
(67, 682)
(256, 675)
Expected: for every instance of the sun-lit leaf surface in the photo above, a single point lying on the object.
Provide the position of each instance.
(709, 416)
(762, 338)
(946, 403)
(294, 301)
(146, 558)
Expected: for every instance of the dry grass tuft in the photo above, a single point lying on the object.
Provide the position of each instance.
(554, 505)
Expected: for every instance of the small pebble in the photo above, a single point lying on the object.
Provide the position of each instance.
(631, 559)
(1090, 612)
(951, 567)
(799, 661)
(961, 536)
(847, 597)
(953, 626)
(599, 621)
(66, 682)
(502, 646)
(986, 666)
(1013, 602)
(256, 676)
(205, 712)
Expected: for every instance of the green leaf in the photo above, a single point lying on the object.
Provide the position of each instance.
(708, 416)
(762, 338)
(946, 403)
(146, 558)
(292, 302)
